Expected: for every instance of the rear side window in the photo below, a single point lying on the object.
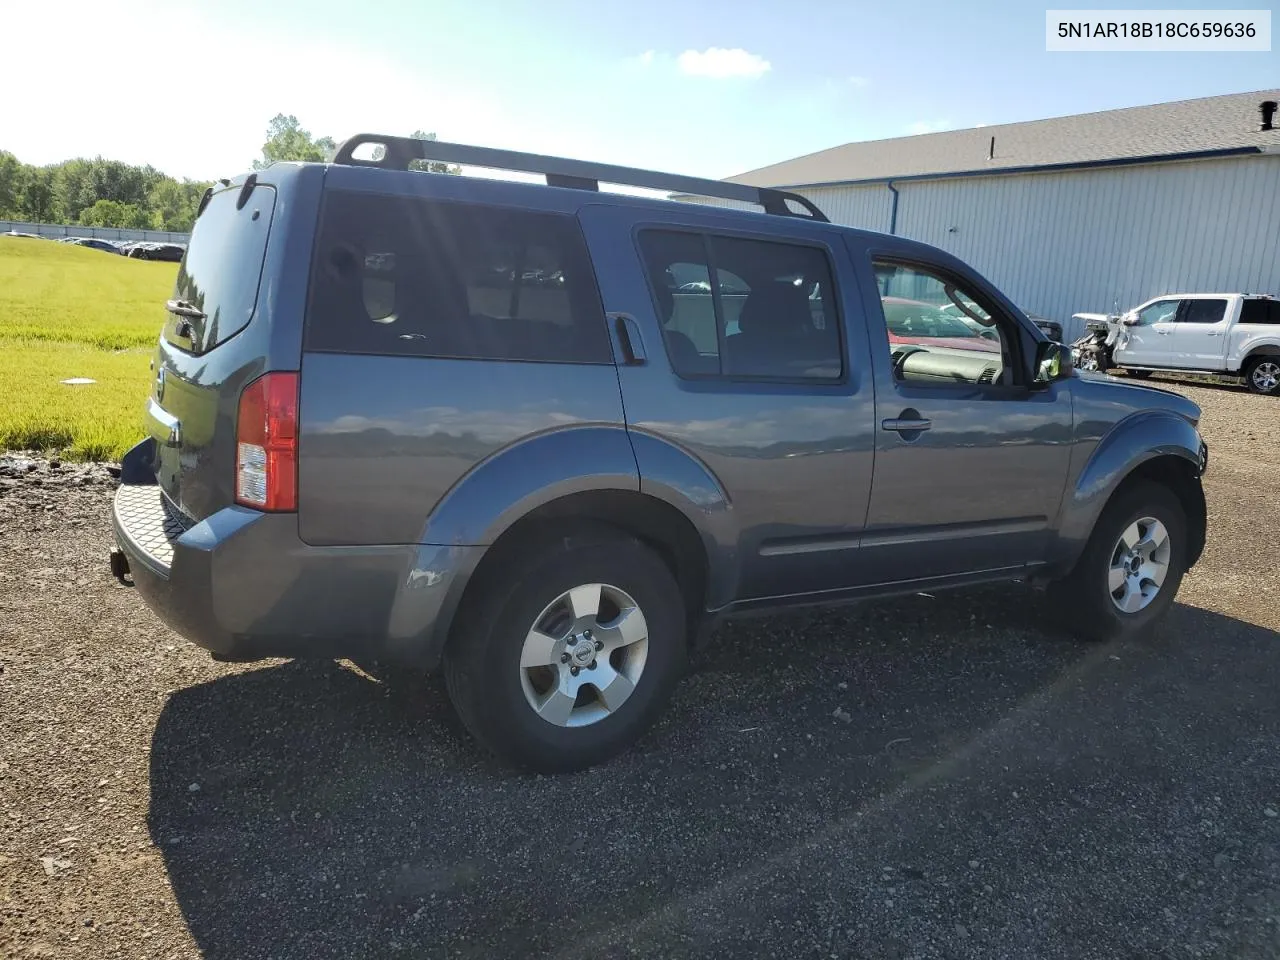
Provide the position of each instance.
(1260, 311)
(744, 309)
(427, 278)
(221, 270)
(1202, 311)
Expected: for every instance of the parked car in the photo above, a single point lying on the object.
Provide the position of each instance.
(915, 322)
(150, 250)
(94, 244)
(551, 493)
(1235, 334)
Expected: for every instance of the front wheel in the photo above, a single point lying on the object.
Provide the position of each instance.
(1262, 374)
(1131, 568)
(568, 654)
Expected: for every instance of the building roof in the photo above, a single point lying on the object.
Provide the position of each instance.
(1160, 130)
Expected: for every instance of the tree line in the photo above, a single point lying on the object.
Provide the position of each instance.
(108, 193)
(97, 193)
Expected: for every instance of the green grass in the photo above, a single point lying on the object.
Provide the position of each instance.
(69, 311)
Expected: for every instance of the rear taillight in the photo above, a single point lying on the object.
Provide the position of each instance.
(267, 443)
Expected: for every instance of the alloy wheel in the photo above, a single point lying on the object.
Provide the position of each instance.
(1139, 565)
(584, 655)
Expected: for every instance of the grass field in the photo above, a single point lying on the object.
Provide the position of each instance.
(69, 311)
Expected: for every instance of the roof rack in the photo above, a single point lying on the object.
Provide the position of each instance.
(399, 152)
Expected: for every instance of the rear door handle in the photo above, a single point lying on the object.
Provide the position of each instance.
(629, 336)
(906, 424)
(1213, 333)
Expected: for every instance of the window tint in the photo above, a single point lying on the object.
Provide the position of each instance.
(1260, 311)
(937, 332)
(425, 278)
(222, 267)
(770, 312)
(1202, 311)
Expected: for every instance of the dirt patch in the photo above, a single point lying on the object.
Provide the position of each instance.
(934, 776)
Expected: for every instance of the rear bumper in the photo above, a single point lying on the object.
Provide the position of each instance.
(242, 585)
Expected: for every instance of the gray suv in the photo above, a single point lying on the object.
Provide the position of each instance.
(544, 438)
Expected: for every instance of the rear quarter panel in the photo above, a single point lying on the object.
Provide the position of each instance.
(420, 450)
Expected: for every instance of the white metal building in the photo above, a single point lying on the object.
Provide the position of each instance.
(1094, 212)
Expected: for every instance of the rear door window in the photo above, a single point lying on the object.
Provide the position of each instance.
(220, 273)
(429, 278)
(1202, 311)
(769, 314)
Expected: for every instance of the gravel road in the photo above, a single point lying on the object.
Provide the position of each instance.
(930, 777)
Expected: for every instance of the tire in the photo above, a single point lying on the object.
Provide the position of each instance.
(490, 671)
(1262, 375)
(1085, 599)
(1137, 374)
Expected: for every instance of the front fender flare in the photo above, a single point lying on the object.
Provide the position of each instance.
(1132, 442)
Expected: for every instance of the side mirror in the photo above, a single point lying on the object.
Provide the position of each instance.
(1053, 362)
(1129, 319)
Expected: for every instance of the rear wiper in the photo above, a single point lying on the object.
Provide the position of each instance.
(184, 309)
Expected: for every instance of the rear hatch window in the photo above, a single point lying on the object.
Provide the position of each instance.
(217, 286)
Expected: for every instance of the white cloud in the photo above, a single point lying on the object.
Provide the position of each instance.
(859, 82)
(719, 62)
(647, 57)
(929, 126)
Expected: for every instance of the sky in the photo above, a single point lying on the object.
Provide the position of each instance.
(702, 87)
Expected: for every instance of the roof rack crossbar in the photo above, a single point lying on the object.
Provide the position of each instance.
(399, 152)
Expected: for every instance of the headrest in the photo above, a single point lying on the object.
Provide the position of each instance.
(776, 306)
(666, 300)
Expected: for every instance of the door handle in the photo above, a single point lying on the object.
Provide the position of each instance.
(906, 424)
(629, 338)
(1213, 333)
(1164, 333)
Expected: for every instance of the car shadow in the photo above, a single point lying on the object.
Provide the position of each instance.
(305, 810)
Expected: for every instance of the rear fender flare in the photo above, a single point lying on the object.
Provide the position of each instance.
(680, 478)
(508, 486)
(1261, 346)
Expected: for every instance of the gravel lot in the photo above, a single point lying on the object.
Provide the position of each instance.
(988, 786)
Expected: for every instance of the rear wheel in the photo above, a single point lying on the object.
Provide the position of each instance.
(1131, 568)
(567, 655)
(1262, 374)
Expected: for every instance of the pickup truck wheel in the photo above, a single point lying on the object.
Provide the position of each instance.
(1131, 568)
(569, 653)
(1263, 375)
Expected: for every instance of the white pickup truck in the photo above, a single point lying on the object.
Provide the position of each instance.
(1230, 334)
